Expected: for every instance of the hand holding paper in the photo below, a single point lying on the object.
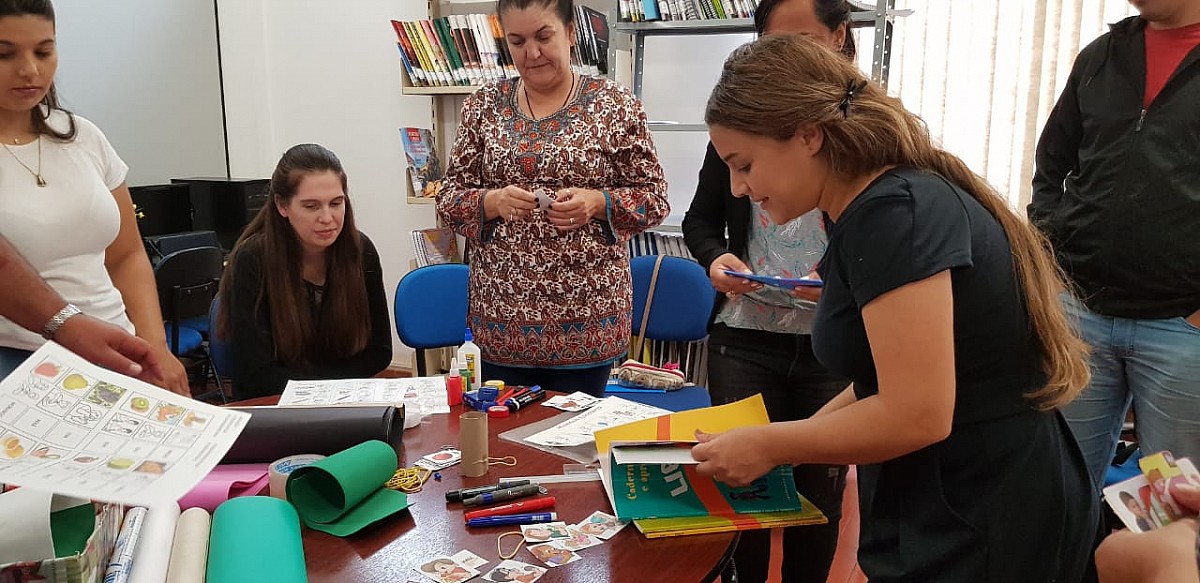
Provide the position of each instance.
(736, 457)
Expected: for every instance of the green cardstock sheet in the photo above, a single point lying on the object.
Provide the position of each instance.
(70, 529)
(344, 493)
(255, 538)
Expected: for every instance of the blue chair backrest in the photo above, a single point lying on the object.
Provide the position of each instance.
(431, 306)
(220, 350)
(683, 298)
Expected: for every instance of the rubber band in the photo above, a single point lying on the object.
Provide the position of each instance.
(508, 460)
(516, 549)
(409, 480)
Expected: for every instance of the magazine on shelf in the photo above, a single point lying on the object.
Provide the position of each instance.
(424, 166)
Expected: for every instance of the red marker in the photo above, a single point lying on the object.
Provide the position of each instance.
(513, 508)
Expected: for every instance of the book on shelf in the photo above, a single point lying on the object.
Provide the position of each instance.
(463, 50)
(424, 167)
(435, 246)
(592, 47)
(682, 10)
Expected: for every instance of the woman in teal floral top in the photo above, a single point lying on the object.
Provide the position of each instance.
(550, 290)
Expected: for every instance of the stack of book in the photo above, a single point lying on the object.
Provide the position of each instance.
(455, 50)
(591, 49)
(645, 10)
(650, 477)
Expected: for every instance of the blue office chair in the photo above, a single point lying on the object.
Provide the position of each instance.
(683, 298)
(187, 283)
(679, 311)
(431, 308)
(220, 350)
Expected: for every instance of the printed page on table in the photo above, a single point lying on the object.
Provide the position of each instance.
(72, 428)
(428, 392)
(609, 412)
(682, 426)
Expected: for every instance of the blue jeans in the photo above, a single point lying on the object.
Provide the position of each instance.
(591, 380)
(10, 359)
(1153, 365)
(781, 367)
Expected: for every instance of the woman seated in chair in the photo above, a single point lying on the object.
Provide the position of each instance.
(302, 297)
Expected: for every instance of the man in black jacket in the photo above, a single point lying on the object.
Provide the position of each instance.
(1117, 191)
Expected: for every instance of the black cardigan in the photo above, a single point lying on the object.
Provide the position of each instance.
(715, 210)
(257, 372)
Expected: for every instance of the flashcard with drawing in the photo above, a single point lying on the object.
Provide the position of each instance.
(579, 539)
(446, 570)
(546, 531)
(553, 555)
(601, 525)
(510, 570)
(468, 559)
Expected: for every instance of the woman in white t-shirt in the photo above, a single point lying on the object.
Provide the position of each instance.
(63, 200)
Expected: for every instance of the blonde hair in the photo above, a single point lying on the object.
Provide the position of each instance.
(777, 84)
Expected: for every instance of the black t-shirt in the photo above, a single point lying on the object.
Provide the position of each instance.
(909, 225)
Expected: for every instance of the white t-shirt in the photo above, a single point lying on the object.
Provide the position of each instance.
(63, 228)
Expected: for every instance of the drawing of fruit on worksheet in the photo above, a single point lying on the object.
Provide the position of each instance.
(47, 452)
(105, 394)
(76, 382)
(193, 420)
(48, 369)
(167, 412)
(137, 404)
(14, 446)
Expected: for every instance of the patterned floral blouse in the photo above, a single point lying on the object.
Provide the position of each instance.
(540, 298)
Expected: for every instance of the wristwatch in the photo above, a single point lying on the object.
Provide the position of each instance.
(57, 320)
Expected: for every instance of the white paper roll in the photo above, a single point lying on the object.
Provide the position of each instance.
(189, 551)
(279, 470)
(153, 552)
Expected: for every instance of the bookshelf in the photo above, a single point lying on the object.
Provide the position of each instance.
(880, 16)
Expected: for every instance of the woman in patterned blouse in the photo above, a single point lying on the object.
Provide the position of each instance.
(550, 290)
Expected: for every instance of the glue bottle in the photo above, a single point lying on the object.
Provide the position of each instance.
(469, 357)
(454, 385)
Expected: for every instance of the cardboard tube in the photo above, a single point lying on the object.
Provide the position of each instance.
(473, 442)
(189, 550)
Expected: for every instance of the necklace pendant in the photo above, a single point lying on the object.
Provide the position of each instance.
(40, 181)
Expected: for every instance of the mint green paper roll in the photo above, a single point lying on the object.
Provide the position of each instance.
(255, 538)
(344, 492)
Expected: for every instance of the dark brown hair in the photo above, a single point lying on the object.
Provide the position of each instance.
(298, 339)
(49, 103)
(777, 84)
(831, 14)
(565, 9)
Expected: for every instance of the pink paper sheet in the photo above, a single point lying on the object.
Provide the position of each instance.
(225, 482)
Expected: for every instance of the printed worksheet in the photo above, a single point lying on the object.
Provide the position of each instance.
(427, 392)
(609, 412)
(73, 428)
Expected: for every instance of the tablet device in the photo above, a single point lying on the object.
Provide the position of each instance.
(775, 281)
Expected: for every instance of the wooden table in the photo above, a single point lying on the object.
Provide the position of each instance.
(390, 550)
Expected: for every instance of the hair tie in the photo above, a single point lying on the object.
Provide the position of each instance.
(853, 87)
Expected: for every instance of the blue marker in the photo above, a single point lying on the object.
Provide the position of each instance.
(534, 518)
(503, 495)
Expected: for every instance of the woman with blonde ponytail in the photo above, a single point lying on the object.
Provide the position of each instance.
(940, 304)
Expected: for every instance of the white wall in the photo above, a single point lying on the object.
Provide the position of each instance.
(146, 72)
(327, 72)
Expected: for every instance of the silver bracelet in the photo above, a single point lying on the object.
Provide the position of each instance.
(57, 320)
